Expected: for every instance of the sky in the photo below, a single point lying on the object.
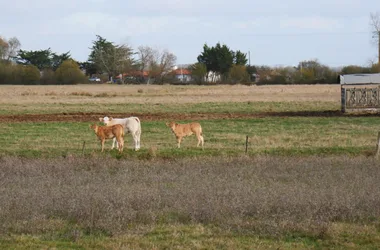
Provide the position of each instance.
(271, 32)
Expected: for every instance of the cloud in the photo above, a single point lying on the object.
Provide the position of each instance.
(311, 23)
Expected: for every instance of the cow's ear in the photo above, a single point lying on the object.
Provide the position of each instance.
(101, 119)
(110, 118)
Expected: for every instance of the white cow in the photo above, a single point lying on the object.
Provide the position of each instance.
(131, 125)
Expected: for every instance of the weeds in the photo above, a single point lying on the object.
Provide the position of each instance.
(81, 93)
(268, 196)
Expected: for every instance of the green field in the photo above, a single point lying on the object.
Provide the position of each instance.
(306, 179)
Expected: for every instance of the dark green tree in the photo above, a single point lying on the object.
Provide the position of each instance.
(240, 58)
(57, 60)
(42, 59)
(88, 67)
(217, 59)
(110, 58)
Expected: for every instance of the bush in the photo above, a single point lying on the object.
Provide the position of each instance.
(4, 73)
(30, 74)
(354, 69)
(19, 74)
(375, 68)
(238, 74)
(48, 77)
(69, 73)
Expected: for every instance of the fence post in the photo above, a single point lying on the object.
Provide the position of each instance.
(246, 144)
(84, 143)
(378, 145)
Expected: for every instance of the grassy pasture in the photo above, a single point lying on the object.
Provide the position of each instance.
(268, 135)
(309, 180)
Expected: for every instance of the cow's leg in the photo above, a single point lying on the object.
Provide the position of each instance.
(179, 141)
(114, 142)
(138, 136)
(103, 140)
(120, 144)
(201, 140)
(136, 140)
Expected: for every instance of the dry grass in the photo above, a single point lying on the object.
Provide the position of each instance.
(149, 94)
(267, 196)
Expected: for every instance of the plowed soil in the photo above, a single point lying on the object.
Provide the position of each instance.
(92, 117)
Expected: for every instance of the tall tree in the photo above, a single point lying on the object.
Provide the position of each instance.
(159, 63)
(375, 24)
(146, 55)
(166, 62)
(240, 58)
(218, 59)
(39, 58)
(57, 60)
(42, 59)
(88, 67)
(110, 58)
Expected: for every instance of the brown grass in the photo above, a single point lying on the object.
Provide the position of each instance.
(268, 196)
(150, 94)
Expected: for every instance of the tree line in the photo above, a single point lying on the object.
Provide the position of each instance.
(120, 63)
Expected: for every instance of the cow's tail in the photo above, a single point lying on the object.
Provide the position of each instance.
(138, 121)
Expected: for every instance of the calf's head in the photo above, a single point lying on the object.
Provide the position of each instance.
(171, 125)
(94, 127)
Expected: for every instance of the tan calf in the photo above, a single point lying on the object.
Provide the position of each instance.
(182, 130)
(110, 132)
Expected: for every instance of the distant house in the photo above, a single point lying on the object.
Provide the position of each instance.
(182, 75)
(212, 77)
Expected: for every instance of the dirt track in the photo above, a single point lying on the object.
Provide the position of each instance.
(91, 117)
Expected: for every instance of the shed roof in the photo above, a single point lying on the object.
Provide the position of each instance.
(359, 79)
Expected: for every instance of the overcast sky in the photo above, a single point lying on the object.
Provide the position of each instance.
(276, 32)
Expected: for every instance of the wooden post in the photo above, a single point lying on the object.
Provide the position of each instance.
(343, 96)
(246, 144)
(84, 143)
(378, 145)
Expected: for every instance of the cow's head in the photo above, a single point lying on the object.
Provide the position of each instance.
(105, 119)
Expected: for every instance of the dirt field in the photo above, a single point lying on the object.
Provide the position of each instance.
(146, 94)
(166, 94)
(90, 117)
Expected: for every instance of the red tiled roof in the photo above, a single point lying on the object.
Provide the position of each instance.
(182, 72)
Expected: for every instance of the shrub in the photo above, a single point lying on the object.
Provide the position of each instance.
(19, 74)
(30, 74)
(69, 73)
(238, 74)
(48, 77)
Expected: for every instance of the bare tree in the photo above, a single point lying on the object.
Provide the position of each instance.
(110, 58)
(9, 48)
(3, 48)
(158, 63)
(145, 56)
(375, 24)
(13, 48)
(165, 61)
